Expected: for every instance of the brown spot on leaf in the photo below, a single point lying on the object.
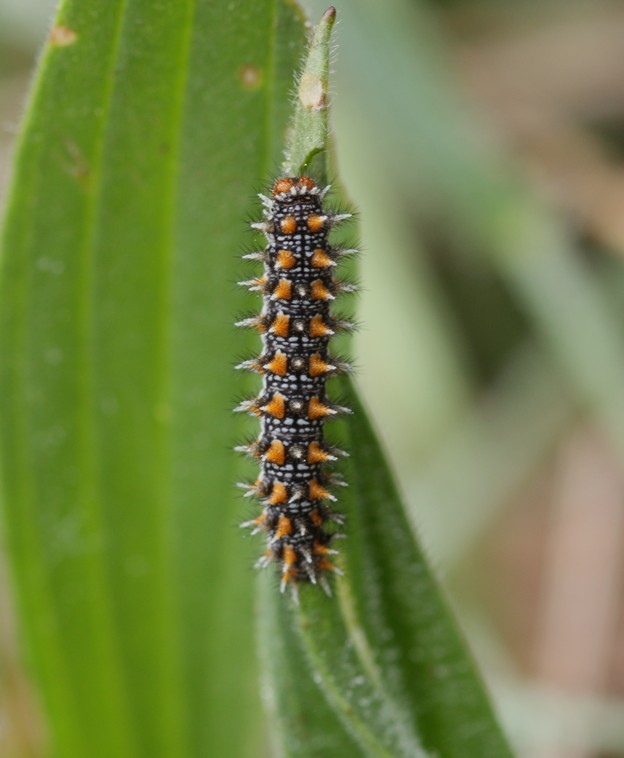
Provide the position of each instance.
(250, 77)
(312, 93)
(62, 36)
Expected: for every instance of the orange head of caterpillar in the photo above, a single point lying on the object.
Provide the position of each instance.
(293, 185)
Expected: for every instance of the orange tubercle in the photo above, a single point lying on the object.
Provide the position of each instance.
(316, 409)
(315, 223)
(319, 291)
(318, 328)
(280, 325)
(288, 225)
(317, 366)
(316, 454)
(283, 291)
(284, 527)
(320, 259)
(276, 407)
(316, 518)
(305, 181)
(290, 556)
(279, 494)
(320, 549)
(285, 259)
(316, 491)
(278, 365)
(276, 453)
(283, 185)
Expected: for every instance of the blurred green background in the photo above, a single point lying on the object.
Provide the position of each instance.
(492, 345)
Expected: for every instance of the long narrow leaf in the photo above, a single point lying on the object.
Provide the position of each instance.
(384, 653)
(150, 123)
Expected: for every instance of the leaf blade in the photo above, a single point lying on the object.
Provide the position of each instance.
(117, 597)
(375, 655)
(395, 597)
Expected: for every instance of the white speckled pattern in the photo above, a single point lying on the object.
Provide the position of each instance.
(296, 324)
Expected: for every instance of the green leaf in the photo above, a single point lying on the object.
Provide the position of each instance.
(384, 654)
(307, 138)
(150, 123)
(305, 724)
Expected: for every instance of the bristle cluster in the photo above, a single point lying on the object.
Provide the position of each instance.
(298, 285)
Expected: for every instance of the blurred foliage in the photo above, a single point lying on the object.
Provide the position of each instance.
(479, 141)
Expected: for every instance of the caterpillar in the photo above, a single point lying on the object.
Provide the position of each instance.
(298, 286)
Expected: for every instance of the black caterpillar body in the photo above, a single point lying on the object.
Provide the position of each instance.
(296, 324)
